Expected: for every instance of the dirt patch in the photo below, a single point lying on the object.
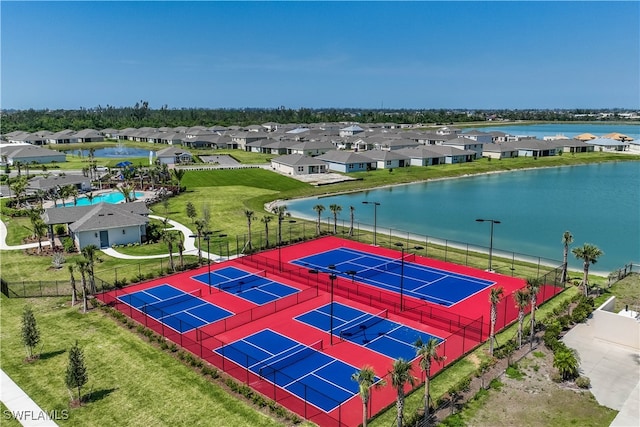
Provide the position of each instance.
(527, 396)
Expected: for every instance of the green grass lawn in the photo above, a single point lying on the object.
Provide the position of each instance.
(131, 383)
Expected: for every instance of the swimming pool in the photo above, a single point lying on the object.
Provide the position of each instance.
(111, 197)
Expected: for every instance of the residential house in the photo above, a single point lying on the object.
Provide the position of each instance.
(346, 161)
(608, 144)
(463, 143)
(351, 130)
(422, 156)
(536, 148)
(173, 156)
(55, 182)
(66, 136)
(499, 151)
(298, 164)
(102, 224)
(385, 159)
(30, 154)
(576, 146)
(89, 135)
(311, 148)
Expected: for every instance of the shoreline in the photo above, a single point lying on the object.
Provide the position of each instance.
(437, 240)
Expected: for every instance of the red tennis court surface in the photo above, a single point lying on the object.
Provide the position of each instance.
(463, 325)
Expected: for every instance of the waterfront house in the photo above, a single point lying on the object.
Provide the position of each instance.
(298, 164)
(173, 155)
(608, 144)
(537, 148)
(89, 135)
(346, 161)
(30, 154)
(385, 159)
(499, 151)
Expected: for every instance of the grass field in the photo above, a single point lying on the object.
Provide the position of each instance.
(131, 383)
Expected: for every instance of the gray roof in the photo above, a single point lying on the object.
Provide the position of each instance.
(98, 217)
(461, 140)
(498, 148)
(609, 142)
(19, 151)
(172, 152)
(42, 183)
(343, 157)
(312, 145)
(298, 160)
(384, 155)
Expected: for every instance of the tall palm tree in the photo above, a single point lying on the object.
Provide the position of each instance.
(589, 254)
(521, 298)
(352, 215)
(72, 282)
(281, 212)
(126, 190)
(250, 217)
(366, 378)
(200, 226)
(72, 191)
(335, 210)
(494, 299)
(90, 252)
(83, 266)
(319, 209)
(567, 239)
(428, 353)
(178, 174)
(400, 377)
(90, 197)
(533, 287)
(180, 245)
(40, 230)
(169, 238)
(266, 219)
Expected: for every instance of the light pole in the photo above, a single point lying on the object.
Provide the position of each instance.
(492, 221)
(375, 218)
(332, 277)
(207, 237)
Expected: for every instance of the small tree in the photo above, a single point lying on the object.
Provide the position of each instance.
(30, 332)
(319, 209)
(589, 254)
(400, 377)
(76, 375)
(191, 211)
(428, 353)
(567, 362)
(266, 219)
(352, 216)
(533, 287)
(249, 214)
(521, 297)
(335, 210)
(567, 239)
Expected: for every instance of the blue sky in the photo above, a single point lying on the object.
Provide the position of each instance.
(321, 54)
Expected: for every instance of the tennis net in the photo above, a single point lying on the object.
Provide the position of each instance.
(361, 324)
(239, 282)
(290, 359)
(160, 305)
(393, 266)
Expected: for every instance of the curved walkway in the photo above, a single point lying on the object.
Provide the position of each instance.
(189, 244)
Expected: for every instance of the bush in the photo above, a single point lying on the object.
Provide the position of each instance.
(583, 382)
(68, 245)
(60, 229)
(556, 377)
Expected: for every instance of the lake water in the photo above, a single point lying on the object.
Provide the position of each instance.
(569, 130)
(113, 152)
(598, 203)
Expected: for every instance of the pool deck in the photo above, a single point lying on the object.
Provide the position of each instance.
(146, 196)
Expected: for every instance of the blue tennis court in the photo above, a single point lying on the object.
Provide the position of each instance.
(313, 376)
(430, 284)
(179, 310)
(373, 331)
(254, 287)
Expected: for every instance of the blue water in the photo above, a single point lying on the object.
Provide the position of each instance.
(569, 130)
(114, 197)
(113, 152)
(598, 204)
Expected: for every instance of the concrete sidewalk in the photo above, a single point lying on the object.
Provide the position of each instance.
(22, 408)
(613, 370)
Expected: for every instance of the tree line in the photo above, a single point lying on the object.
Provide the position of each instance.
(141, 115)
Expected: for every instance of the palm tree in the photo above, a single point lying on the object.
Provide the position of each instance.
(428, 353)
(533, 287)
(494, 299)
(567, 239)
(180, 244)
(335, 209)
(319, 209)
(566, 360)
(72, 191)
(89, 253)
(90, 197)
(521, 298)
(366, 378)
(250, 217)
(352, 217)
(200, 226)
(83, 266)
(18, 187)
(281, 212)
(169, 238)
(126, 190)
(72, 282)
(400, 376)
(589, 254)
(40, 230)
(178, 174)
(266, 219)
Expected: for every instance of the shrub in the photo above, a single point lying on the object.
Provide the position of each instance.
(68, 245)
(583, 382)
(60, 229)
(556, 377)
